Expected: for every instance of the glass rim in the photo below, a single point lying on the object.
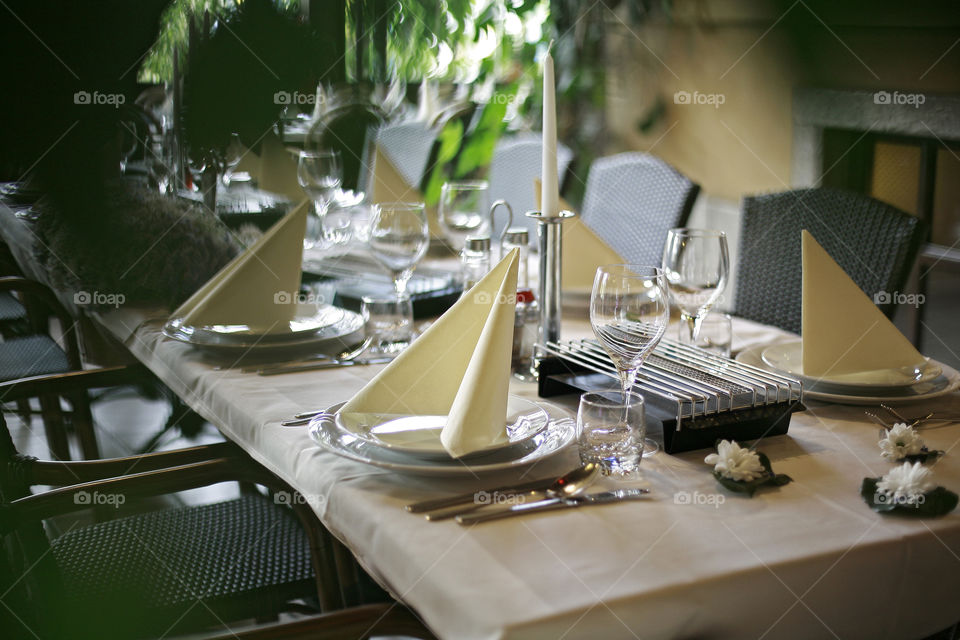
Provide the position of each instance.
(696, 232)
(465, 185)
(319, 153)
(637, 270)
(400, 206)
(611, 398)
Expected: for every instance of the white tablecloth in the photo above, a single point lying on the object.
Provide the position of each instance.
(807, 560)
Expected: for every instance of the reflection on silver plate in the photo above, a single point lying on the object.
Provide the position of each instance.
(787, 357)
(947, 382)
(419, 436)
(314, 329)
(558, 435)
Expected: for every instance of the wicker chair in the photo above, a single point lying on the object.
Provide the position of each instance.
(158, 572)
(514, 168)
(24, 356)
(875, 243)
(632, 200)
(407, 145)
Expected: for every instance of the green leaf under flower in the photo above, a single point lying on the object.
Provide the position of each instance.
(769, 478)
(936, 502)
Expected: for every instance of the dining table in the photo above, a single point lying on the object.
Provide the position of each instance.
(809, 559)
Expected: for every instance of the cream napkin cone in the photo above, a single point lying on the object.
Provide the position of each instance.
(387, 184)
(459, 367)
(278, 170)
(584, 251)
(843, 331)
(258, 288)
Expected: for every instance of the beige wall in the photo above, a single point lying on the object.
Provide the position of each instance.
(744, 145)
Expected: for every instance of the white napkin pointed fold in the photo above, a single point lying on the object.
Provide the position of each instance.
(258, 288)
(843, 331)
(459, 367)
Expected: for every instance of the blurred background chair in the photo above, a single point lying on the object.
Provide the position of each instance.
(514, 168)
(875, 243)
(33, 351)
(157, 572)
(407, 146)
(632, 200)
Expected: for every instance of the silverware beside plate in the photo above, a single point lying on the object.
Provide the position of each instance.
(553, 504)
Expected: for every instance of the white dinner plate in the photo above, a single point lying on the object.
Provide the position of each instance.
(947, 382)
(787, 357)
(559, 434)
(419, 436)
(327, 329)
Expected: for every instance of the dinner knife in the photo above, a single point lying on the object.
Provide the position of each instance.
(435, 504)
(552, 504)
(336, 364)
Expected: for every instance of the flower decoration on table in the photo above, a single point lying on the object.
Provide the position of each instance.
(902, 442)
(743, 470)
(908, 489)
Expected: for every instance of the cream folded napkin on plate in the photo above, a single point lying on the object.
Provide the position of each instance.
(842, 330)
(278, 169)
(259, 286)
(459, 368)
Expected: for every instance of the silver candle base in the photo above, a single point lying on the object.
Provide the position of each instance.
(550, 239)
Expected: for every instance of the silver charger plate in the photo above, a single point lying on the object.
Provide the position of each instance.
(787, 357)
(419, 436)
(558, 435)
(947, 382)
(318, 331)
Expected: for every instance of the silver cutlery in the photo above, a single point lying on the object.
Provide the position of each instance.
(566, 486)
(434, 504)
(298, 421)
(553, 504)
(335, 364)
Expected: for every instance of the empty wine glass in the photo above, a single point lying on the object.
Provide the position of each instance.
(464, 210)
(320, 174)
(696, 266)
(399, 237)
(629, 313)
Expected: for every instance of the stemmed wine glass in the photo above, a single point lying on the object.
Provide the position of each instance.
(629, 313)
(696, 265)
(399, 237)
(320, 174)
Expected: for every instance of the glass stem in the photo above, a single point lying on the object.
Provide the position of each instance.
(627, 378)
(692, 323)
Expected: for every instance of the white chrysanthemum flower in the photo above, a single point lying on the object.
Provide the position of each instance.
(735, 462)
(901, 441)
(906, 484)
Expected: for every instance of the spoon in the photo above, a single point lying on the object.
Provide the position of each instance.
(350, 353)
(566, 486)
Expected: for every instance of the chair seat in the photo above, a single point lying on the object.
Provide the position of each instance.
(186, 565)
(31, 356)
(10, 308)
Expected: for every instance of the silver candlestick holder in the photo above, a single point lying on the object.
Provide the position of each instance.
(550, 239)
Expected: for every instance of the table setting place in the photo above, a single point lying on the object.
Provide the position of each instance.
(441, 406)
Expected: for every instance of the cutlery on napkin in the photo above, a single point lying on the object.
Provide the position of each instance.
(459, 367)
(245, 291)
(842, 330)
(579, 267)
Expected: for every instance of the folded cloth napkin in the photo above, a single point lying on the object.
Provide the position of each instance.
(278, 169)
(387, 184)
(259, 287)
(586, 251)
(459, 367)
(843, 331)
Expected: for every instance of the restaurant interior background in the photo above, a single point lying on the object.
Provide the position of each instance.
(742, 96)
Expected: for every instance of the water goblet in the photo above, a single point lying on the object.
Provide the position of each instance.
(629, 313)
(399, 237)
(696, 266)
(464, 211)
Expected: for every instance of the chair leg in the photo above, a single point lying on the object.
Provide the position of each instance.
(83, 425)
(26, 413)
(53, 427)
